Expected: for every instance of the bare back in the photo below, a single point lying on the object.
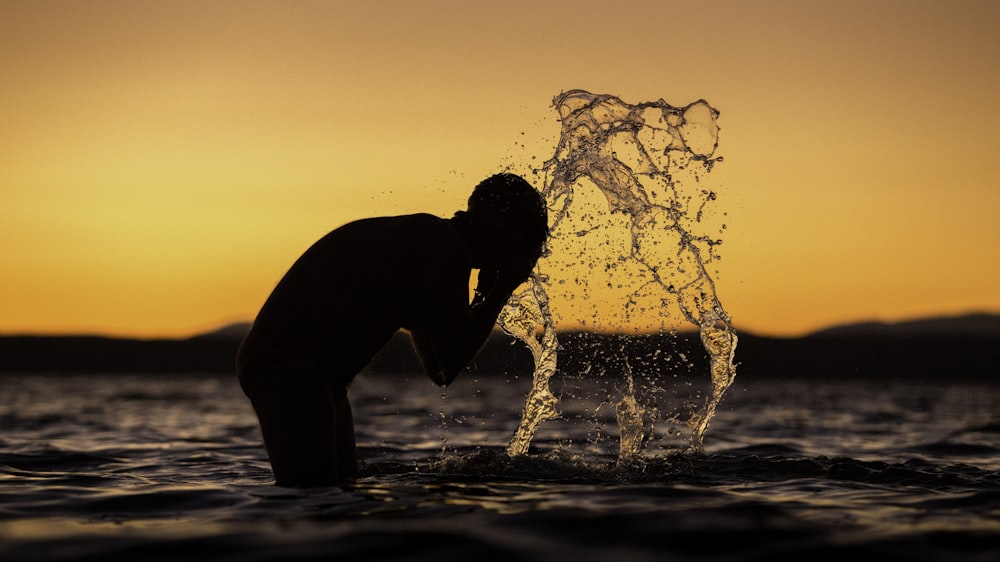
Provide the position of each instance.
(354, 288)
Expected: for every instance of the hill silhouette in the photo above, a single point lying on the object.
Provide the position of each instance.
(975, 326)
(963, 347)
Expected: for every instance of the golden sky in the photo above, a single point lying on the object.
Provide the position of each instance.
(163, 163)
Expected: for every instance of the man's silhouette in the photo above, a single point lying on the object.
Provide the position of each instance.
(346, 296)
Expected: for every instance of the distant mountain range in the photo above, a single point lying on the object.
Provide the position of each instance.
(944, 348)
(968, 325)
(961, 347)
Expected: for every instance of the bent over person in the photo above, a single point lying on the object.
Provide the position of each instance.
(346, 296)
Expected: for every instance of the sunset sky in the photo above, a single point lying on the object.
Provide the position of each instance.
(163, 163)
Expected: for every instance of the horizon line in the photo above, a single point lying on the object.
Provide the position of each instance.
(232, 326)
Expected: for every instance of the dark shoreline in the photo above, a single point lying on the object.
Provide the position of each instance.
(964, 348)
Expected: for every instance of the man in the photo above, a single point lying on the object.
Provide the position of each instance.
(346, 296)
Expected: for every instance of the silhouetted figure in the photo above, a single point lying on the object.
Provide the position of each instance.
(352, 290)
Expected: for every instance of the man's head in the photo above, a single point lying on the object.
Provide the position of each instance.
(506, 222)
(513, 206)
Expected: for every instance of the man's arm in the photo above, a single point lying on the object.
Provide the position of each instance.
(446, 348)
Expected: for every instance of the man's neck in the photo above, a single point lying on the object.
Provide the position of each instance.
(467, 231)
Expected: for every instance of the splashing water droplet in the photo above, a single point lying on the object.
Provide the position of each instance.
(633, 154)
(522, 316)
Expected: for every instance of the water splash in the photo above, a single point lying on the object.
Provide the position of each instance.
(636, 156)
(522, 317)
(634, 426)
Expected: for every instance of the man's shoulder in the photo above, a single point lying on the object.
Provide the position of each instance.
(419, 220)
(418, 223)
(418, 228)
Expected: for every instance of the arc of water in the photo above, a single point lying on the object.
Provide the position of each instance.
(593, 129)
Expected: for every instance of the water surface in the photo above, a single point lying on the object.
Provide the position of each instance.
(168, 467)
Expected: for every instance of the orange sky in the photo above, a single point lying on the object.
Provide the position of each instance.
(163, 163)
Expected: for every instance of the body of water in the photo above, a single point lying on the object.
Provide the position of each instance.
(102, 467)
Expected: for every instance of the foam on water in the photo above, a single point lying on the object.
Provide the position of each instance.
(648, 160)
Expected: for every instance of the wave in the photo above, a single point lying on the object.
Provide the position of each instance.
(759, 463)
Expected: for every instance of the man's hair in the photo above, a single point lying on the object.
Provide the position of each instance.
(512, 199)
